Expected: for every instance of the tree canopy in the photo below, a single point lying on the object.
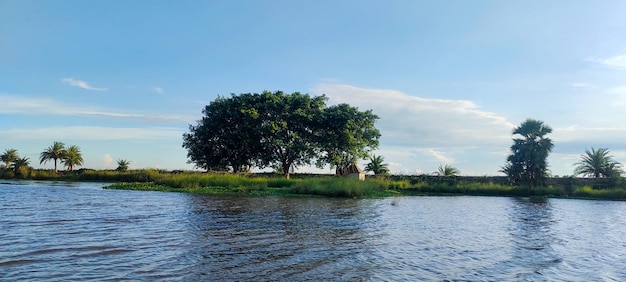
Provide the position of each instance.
(9, 156)
(598, 163)
(447, 170)
(72, 157)
(55, 152)
(377, 166)
(528, 162)
(279, 130)
(346, 135)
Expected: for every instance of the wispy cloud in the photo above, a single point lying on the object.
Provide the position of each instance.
(618, 61)
(439, 156)
(82, 84)
(619, 90)
(157, 90)
(583, 85)
(11, 104)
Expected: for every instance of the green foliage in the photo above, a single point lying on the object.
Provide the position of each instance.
(278, 130)
(21, 167)
(527, 165)
(9, 156)
(286, 128)
(346, 135)
(225, 138)
(377, 166)
(55, 152)
(6, 173)
(72, 157)
(122, 165)
(447, 170)
(607, 194)
(340, 187)
(598, 163)
(391, 184)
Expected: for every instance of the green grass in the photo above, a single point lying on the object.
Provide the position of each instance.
(318, 185)
(586, 192)
(341, 187)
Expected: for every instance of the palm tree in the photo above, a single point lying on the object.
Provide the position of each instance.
(19, 163)
(597, 163)
(122, 165)
(54, 152)
(73, 157)
(528, 163)
(377, 166)
(9, 156)
(447, 170)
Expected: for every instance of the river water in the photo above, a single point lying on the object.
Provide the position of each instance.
(79, 231)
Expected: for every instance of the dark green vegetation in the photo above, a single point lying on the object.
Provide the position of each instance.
(70, 156)
(447, 170)
(280, 131)
(598, 163)
(528, 165)
(377, 166)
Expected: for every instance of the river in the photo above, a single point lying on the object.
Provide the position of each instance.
(57, 231)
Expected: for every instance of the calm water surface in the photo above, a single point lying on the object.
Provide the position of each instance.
(78, 231)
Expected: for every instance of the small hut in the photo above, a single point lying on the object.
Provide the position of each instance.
(352, 171)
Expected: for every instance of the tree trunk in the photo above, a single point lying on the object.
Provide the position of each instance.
(286, 168)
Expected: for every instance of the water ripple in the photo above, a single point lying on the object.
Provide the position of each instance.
(80, 232)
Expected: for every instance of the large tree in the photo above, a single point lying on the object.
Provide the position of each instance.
(528, 163)
(226, 137)
(72, 157)
(598, 163)
(55, 152)
(278, 130)
(346, 135)
(285, 124)
(9, 156)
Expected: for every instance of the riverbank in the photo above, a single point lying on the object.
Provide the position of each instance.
(369, 189)
(267, 184)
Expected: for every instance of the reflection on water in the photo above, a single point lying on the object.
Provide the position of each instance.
(55, 232)
(277, 238)
(533, 237)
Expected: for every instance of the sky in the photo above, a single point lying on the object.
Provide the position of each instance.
(448, 79)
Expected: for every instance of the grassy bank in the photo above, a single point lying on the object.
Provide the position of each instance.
(260, 186)
(321, 185)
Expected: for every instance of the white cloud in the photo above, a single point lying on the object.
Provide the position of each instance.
(82, 84)
(157, 90)
(439, 156)
(619, 90)
(617, 61)
(417, 122)
(419, 133)
(583, 85)
(10, 104)
(107, 161)
(589, 135)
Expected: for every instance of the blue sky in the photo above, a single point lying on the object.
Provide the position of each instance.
(449, 79)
